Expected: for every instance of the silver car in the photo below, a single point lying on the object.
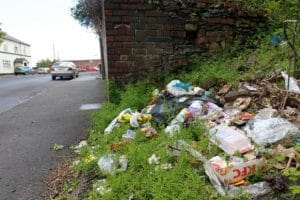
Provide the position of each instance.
(64, 69)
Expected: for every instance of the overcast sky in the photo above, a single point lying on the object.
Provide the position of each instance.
(42, 23)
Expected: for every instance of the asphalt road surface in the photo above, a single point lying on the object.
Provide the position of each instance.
(36, 113)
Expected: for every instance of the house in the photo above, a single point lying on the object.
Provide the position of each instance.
(88, 65)
(13, 53)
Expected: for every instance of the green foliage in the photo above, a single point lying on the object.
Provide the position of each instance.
(295, 189)
(281, 10)
(292, 173)
(44, 63)
(276, 10)
(88, 13)
(1, 35)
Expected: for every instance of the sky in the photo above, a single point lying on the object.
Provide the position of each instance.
(47, 25)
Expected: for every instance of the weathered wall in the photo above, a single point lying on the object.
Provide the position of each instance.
(145, 39)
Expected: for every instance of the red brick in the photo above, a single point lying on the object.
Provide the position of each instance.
(179, 34)
(108, 12)
(201, 40)
(123, 38)
(109, 38)
(153, 13)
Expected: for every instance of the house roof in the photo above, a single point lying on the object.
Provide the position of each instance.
(13, 39)
(20, 60)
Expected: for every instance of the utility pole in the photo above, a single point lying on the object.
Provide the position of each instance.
(103, 38)
(53, 53)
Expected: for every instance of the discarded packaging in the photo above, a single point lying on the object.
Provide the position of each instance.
(165, 166)
(230, 140)
(109, 163)
(225, 89)
(242, 103)
(138, 119)
(291, 83)
(172, 129)
(129, 135)
(177, 88)
(195, 109)
(235, 170)
(153, 159)
(149, 132)
(254, 190)
(79, 146)
(267, 131)
(114, 123)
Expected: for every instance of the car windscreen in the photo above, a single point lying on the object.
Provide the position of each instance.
(62, 64)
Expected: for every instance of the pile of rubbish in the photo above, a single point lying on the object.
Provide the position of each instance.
(245, 122)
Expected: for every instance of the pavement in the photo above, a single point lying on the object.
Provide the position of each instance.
(35, 114)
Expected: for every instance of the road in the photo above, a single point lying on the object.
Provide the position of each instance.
(36, 113)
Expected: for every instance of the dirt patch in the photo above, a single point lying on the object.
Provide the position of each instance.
(57, 179)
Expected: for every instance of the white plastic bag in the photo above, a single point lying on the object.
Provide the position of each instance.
(230, 140)
(109, 164)
(264, 131)
(106, 162)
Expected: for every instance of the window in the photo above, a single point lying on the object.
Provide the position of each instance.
(5, 47)
(16, 50)
(6, 64)
(24, 51)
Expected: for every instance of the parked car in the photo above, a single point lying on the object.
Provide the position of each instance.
(64, 69)
(43, 70)
(24, 70)
(93, 69)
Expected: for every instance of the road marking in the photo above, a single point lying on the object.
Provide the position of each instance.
(91, 106)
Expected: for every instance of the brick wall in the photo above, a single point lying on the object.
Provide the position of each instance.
(145, 39)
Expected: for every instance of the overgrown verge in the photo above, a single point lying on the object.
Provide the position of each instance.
(177, 176)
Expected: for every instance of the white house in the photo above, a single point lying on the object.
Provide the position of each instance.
(13, 53)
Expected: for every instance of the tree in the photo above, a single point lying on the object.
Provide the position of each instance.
(44, 63)
(89, 13)
(1, 35)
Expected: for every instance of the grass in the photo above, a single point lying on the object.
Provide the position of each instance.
(184, 180)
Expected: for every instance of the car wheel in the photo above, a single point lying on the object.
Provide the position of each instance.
(53, 77)
(77, 75)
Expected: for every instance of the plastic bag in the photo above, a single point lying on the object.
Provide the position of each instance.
(264, 131)
(195, 108)
(290, 83)
(137, 119)
(114, 123)
(129, 135)
(177, 88)
(106, 162)
(109, 164)
(230, 140)
(254, 190)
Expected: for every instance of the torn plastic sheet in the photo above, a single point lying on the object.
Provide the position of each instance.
(114, 123)
(254, 190)
(290, 83)
(230, 140)
(268, 131)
